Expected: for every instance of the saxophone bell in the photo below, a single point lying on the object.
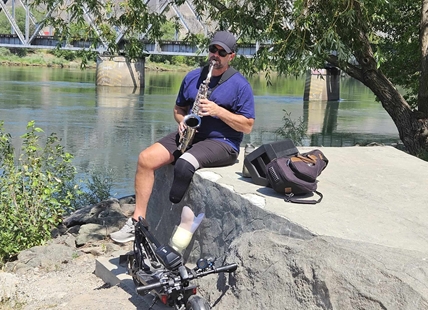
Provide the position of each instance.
(192, 120)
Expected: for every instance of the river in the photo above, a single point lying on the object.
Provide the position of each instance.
(105, 128)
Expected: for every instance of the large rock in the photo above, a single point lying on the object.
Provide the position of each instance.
(45, 257)
(282, 265)
(95, 223)
(278, 272)
(227, 214)
(106, 213)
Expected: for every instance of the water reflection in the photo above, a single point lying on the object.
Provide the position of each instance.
(160, 83)
(107, 127)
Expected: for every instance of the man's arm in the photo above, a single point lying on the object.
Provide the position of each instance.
(238, 122)
(179, 114)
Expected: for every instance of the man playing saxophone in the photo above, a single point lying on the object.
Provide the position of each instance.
(226, 112)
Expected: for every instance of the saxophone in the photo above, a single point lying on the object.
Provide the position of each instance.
(193, 120)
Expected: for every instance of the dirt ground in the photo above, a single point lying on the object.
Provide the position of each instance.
(72, 286)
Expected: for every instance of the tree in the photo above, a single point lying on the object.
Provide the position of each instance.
(382, 43)
(108, 19)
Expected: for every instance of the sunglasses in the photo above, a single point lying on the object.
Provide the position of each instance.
(213, 49)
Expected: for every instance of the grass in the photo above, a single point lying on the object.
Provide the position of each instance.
(45, 58)
(37, 57)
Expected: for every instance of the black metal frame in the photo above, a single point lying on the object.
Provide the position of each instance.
(160, 269)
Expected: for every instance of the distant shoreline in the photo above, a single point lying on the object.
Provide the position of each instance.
(151, 66)
(42, 58)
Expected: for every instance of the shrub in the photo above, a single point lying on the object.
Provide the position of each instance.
(20, 52)
(67, 55)
(292, 129)
(36, 189)
(178, 60)
(97, 188)
(5, 52)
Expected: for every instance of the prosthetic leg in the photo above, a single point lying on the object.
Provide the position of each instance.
(184, 232)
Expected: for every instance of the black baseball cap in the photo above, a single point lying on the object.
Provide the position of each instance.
(225, 39)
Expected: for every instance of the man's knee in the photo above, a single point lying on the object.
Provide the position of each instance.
(154, 157)
(143, 159)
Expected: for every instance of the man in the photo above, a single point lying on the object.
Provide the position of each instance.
(226, 115)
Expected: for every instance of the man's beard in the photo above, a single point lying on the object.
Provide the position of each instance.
(218, 64)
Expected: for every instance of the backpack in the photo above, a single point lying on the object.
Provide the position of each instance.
(297, 175)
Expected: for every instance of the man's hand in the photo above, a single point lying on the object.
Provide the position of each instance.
(181, 127)
(208, 108)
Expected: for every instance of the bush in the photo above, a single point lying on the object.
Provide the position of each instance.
(67, 55)
(97, 188)
(5, 52)
(292, 129)
(36, 189)
(178, 60)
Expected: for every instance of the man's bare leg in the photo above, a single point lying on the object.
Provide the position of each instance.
(149, 160)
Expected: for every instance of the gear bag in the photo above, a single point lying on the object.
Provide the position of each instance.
(297, 175)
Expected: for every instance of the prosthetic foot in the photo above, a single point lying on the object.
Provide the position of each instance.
(184, 232)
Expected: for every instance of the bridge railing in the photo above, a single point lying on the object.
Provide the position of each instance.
(160, 47)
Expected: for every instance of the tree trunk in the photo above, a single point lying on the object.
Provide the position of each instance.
(423, 80)
(413, 130)
(412, 126)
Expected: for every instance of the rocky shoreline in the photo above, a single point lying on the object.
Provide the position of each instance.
(275, 271)
(60, 274)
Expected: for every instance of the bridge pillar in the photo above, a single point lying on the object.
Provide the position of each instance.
(120, 71)
(322, 84)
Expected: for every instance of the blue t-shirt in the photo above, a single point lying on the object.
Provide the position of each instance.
(234, 94)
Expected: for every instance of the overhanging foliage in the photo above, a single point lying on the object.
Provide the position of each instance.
(382, 43)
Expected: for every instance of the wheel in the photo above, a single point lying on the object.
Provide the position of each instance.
(196, 302)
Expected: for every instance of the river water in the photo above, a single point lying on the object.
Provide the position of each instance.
(105, 128)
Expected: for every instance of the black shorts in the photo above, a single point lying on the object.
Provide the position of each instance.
(208, 152)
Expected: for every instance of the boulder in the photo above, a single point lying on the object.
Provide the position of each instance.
(278, 272)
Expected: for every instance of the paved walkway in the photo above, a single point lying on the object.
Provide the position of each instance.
(371, 194)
